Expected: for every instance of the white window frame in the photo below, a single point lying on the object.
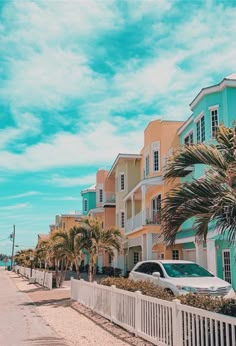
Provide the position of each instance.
(100, 195)
(122, 174)
(174, 257)
(156, 148)
(136, 257)
(147, 165)
(122, 219)
(197, 121)
(85, 204)
(212, 109)
(188, 136)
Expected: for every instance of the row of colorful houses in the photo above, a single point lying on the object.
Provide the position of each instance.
(130, 193)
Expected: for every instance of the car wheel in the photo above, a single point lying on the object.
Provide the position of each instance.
(168, 290)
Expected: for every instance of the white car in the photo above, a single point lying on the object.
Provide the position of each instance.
(181, 277)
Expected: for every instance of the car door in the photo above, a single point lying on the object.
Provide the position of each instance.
(156, 268)
(141, 272)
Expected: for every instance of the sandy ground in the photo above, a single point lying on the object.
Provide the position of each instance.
(72, 322)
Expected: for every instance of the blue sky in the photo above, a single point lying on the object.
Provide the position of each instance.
(80, 80)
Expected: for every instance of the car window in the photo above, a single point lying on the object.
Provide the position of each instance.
(157, 268)
(149, 268)
(180, 270)
(143, 268)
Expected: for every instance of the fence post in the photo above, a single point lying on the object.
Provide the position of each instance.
(176, 323)
(94, 295)
(71, 288)
(113, 302)
(138, 317)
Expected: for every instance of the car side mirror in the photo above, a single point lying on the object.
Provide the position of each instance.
(156, 275)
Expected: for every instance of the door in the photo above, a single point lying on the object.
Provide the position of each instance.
(189, 255)
(226, 265)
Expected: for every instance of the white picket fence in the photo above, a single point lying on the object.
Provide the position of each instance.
(43, 278)
(161, 322)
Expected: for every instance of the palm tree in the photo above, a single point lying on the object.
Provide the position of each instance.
(99, 239)
(211, 198)
(69, 245)
(22, 257)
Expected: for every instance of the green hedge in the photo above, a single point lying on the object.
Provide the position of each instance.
(214, 304)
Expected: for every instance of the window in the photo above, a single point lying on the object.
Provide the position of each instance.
(155, 160)
(175, 254)
(185, 270)
(150, 268)
(85, 205)
(136, 257)
(201, 130)
(214, 122)
(162, 256)
(122, 181)
(100, 195)
(147, 165)
(156, 209)
(109, 259)
(188, 139)
(122, 219)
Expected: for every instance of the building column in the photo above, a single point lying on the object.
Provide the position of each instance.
(200, 254)
(132, 210)
(149, 246)
(144, 247)
(144, 211)
(115, 259)
(211, 256)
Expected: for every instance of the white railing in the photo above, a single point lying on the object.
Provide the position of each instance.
(161, 322)
(109, 197)
(43, 278)
(133, 223)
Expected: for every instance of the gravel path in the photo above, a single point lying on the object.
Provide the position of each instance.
(68, 319)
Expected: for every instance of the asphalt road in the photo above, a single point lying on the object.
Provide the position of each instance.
(19, 323)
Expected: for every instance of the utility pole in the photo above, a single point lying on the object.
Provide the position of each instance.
(13, 245)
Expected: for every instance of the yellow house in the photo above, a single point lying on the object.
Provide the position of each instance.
(142, 202)
(125, 172)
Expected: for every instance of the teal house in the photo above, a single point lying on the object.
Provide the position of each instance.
(88, 199)
(212, 106)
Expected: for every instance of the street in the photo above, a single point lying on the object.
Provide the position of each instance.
(19, 323)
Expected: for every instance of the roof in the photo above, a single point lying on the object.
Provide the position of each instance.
(89, 189)
(229, 81)
(185, 124)
(123, 156)
(231, 76)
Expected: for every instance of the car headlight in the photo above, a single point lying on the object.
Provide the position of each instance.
(187, 288)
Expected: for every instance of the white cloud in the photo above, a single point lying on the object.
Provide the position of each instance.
(65, 198)
(25, 194)
(96, 143)
(16, 206)
(75, 181)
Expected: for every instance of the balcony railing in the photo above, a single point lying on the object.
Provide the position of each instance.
(155, 219)
(133, 223)
(109, 197)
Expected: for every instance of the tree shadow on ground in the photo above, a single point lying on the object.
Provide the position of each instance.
(65, 302)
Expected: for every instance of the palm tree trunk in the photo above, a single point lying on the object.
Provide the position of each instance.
(77, 269)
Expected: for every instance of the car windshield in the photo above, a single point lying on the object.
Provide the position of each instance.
(185, 270)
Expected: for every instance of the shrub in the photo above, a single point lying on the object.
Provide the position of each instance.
(146, 287)
(214, 304)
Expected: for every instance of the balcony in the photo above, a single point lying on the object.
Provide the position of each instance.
(134, 223)
(109, 198)
(155, 219)
(137, 222)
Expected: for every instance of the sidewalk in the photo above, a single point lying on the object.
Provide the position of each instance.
(72, 322)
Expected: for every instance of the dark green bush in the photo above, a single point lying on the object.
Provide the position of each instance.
(146, 287)
(214, 304)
